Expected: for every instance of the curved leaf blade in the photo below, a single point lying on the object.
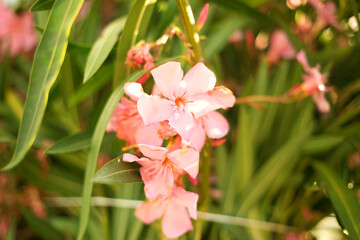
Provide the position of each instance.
(117, 171)
(343, 200)
(102, 47)
(71, 143)
(42, 5)
(48, 59)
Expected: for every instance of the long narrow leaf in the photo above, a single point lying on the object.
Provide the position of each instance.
(42, 5)
(102, 47)
(128, 38)
(48, 59)
(342, 199)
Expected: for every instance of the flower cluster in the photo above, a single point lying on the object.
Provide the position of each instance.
(17, 33)
(182, 111)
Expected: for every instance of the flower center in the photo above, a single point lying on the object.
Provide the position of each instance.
(180, 102)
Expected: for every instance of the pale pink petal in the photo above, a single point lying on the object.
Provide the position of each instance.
(149, 135)
(153, 152)
(154, 109)
(176, 221)
(301, 57)
(183, 123)
(188, 199)
(128, 157)
(158, 179)
(133, 90)
(150, 211)
(224, 95)
(186, 159)
(199, 79)
(167, 78)
(280, 47)
(321, 102)
(202, 104)
(216, 126)
(198, 136)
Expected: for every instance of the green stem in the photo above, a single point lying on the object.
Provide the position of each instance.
(188, 20)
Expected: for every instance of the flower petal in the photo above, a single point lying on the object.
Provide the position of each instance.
(133, 90)
(158, 179)
(150, 211)
(322, 104)
(154, 109)
(149, 135)
(183, 123)
(199, 79)
(186, 159)
(216, 126)
(167, 78)
(187, 199)
(153, 152)
(224, 95)
(198, 136)
(128, 157)
(202, 104)
(176, 221)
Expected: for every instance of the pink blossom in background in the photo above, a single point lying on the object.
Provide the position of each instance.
(188, 98)
(175, 210)
(314, 83)
(293, 4)
(160, 167)
(280, 47)
(17, 33)
(326, 14)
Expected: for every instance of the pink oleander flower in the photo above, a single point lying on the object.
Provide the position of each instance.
(17, 33)
(314, 83)
(280, 47)
(175, 210)
(326, 14)
(138, 57)
(128, 124)
(188, 98)
(160, 167)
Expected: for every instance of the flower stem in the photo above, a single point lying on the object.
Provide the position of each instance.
(188, 20)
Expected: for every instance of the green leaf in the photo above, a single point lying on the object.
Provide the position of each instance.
(342, 198)
(322, 143)
(128, 38)
(48, 59)
(42, 5)
(41, 227)
(95, 148)
(278, 164)
(117, 171)
(102, 47)
(72, 143)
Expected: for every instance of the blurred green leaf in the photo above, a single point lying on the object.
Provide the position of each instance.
(342, 198)
(275, 166)
(322, 143)
(97, 81)
(128, 38)
(117, 171)
(42, 5)
(72, 143)
(95, 145)
(102, 47)
(48, 59)
(40, 226)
